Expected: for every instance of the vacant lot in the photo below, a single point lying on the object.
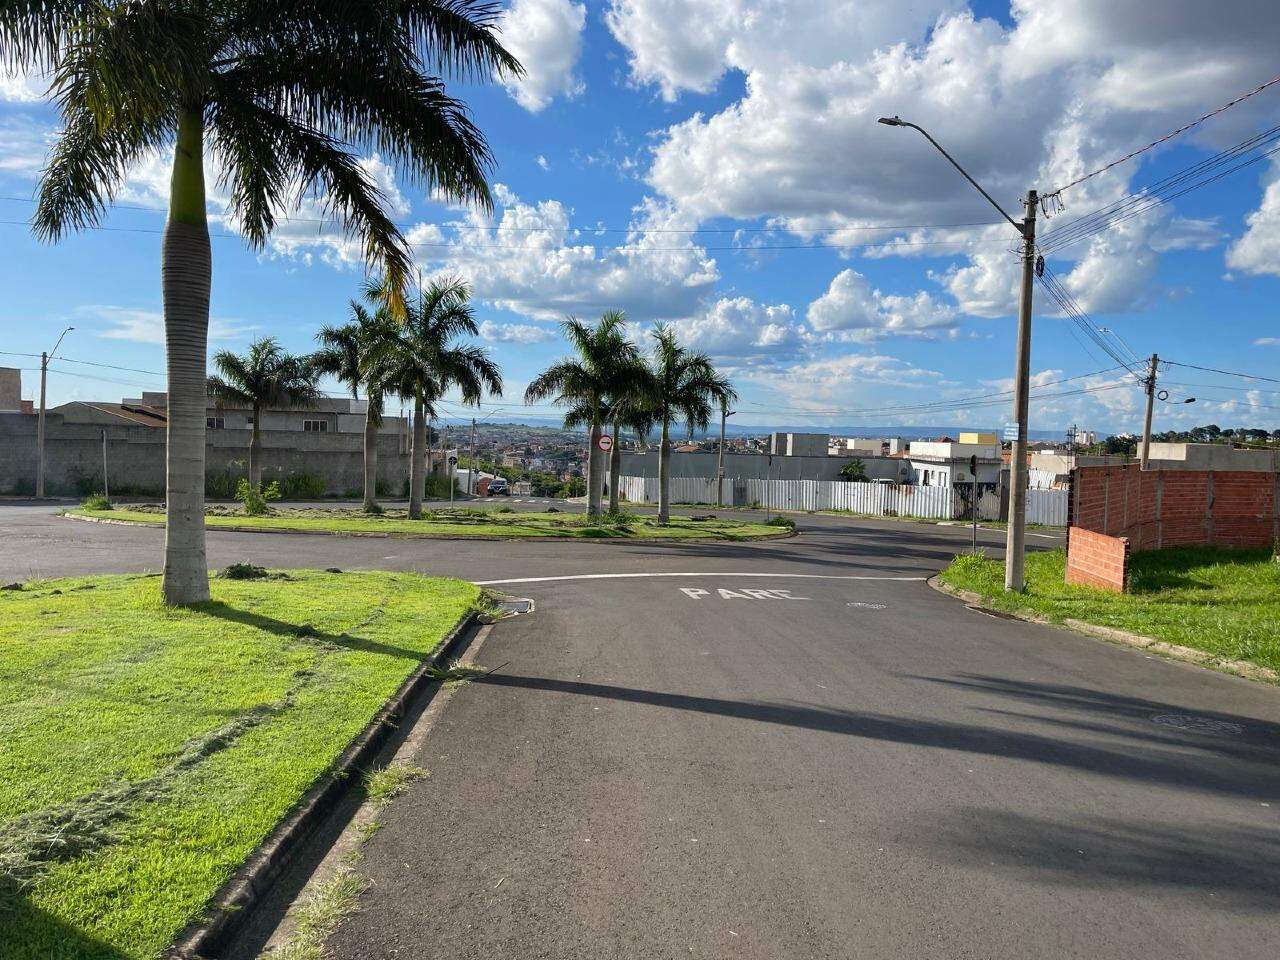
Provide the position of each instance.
(146, 751)
(1225, 602)
(462, 522)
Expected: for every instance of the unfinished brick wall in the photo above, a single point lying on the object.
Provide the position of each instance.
(1154, 509)
(1097, 560)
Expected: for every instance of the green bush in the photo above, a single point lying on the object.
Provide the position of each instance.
(221, 485)
(618, 518)
(301, 486)
(96, 501)
(255, 498)
(781, 522)
(86, 485)
(23, 488)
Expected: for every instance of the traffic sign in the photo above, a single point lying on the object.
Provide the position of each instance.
(605, 442)
(1011, 431)
(453, 461)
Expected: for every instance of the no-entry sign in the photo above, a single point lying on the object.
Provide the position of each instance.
(605, 442)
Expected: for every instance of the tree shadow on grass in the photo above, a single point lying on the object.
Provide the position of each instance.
(28, 932)
(305, 631)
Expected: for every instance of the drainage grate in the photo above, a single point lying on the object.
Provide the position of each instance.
(864, 605)
(1185, 721)
(511, 606)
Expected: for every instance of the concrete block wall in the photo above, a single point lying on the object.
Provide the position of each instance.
(136, 455)
(1097, 560)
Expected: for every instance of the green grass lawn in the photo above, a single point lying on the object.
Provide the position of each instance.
(146, 751)
(1224, 602)
(460, 522)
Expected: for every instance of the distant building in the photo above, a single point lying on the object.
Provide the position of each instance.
(988, 439)
(798, 444)
(10, 390)
(947, 463)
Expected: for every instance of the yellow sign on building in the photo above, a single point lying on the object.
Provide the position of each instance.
(978, 438)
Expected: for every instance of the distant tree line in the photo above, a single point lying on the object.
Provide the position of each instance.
(1127, 444)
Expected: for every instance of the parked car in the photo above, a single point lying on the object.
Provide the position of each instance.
(498, 487)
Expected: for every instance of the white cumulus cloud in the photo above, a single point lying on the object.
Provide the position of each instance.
(546, 37)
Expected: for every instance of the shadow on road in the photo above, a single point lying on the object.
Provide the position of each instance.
(1155, 759)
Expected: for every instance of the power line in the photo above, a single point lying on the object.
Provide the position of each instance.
(1155, 143)
(337, 239)
(1194, 177)
(596, 229)
(1225, 373)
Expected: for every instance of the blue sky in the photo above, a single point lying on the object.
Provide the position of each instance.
(716, 164)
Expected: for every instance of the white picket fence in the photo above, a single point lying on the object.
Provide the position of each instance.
(879, 499)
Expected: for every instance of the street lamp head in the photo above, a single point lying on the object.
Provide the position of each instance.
(1189, 400)
(891, 121)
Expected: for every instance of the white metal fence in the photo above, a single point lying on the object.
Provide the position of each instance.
(879, 499)
(1048, 507)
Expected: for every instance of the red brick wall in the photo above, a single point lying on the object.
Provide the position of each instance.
(1097, 560)
(1171, 508)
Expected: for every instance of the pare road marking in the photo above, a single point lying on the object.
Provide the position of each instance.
(697, 593)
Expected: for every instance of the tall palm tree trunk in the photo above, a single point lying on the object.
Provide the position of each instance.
(615, 469)
(187, 273)
(370, 456)
(595, 473)
(417, 462)
(664, 474)
(255, 450)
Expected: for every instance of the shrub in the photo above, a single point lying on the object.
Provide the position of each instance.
(255, 498)
(373, 509)
(96, 501)
(505, 510)
(781, 522)
(220, 485)
(618, 518)
(301, 486)
(854, 471)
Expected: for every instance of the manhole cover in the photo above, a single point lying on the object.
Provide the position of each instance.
(864, 605)
(1184, 721)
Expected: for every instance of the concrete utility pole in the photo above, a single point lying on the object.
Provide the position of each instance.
(44, 372)
(471, 474)
(1016, 542)
(725, 414)
(1150, 384)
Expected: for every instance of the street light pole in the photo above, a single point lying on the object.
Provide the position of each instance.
(44, 372)
(725, 414)
(1016, 542)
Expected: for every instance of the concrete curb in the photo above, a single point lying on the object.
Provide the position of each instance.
(1173, 651)
(234, 902)
(751, 538)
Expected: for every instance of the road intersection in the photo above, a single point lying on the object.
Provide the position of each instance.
(792, 748)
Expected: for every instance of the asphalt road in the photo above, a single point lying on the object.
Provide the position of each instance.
(793, 749)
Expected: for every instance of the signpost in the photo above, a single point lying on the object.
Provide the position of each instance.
(973, 469)
(453, 462)
(605, 442)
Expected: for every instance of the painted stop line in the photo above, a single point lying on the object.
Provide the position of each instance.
(746, 593)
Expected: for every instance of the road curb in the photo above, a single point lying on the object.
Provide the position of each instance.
(234, 902)
(1172, 651)
(752, 538)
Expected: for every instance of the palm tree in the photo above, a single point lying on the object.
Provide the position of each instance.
(265, 377)
(684, 386)
(282, 94)
(423, 363)
(587, 384)
(349, 353)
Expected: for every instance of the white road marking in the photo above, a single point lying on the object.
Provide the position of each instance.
(636, 576)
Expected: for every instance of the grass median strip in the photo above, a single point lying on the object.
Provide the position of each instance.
(145, 752)
(462, 522)
(1223, 602)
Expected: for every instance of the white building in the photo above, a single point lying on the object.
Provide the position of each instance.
(946, 463)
